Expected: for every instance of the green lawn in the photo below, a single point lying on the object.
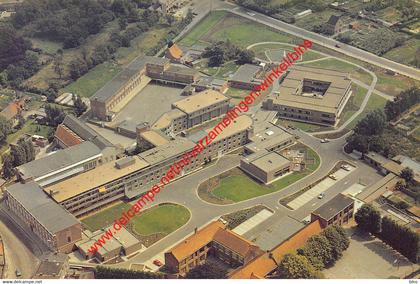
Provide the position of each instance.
(47, 46)
(31, 128)
(158, 219)
(105, 217)
(161, 219)
(404, 54)
(202, 28)
(92, 81)
(375, 102)
(222, 71)
(353, 103)
(238, 188)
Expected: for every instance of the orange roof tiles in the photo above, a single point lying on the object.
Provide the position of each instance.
(216, 231)
(196, 241)
(263, 265)
(66, 136)
(174, 52)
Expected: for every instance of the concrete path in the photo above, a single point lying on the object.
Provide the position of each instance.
(252, 222)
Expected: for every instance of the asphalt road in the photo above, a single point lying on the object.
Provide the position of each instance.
(184, 192)
(328, 42)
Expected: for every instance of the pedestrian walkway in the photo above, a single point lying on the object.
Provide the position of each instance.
(252, 222)
(319, 188)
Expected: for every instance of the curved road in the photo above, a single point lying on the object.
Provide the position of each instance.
(327, 42)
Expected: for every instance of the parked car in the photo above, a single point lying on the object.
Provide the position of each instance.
(321, 195)
(345, 167)
(332, 177)
(325, 140)
(337, 45)
(251, 14)
(18, 273)
(157, 262)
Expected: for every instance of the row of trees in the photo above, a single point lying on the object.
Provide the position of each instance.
(21, 153)
(223, 51)
(102, 272)
(319, 252)
(401, 103)
(399, 237)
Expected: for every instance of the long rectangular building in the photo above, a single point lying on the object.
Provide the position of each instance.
(56, 227)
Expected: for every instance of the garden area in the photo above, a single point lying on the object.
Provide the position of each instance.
(149, 226)
(236, 186)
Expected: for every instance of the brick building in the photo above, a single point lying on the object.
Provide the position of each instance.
(337, 211)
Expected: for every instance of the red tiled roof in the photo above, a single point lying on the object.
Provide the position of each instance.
(264, 264)
(66, 136)
(174, 52)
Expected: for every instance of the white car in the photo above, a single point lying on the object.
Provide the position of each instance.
(251, 14)
(321, 195)
(346, 167)
(325, 140)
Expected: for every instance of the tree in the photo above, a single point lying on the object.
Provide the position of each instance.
(7, 168)
(368, 219)
(295, 266)
(373, 124)
(54, 114)
(357, 142)
(102, 272)
(122, 22)
(206, 271)
(318, 251)
(12, 46)
(78, 67)
(408, 175)
(79, 106)
(58, 63)
(338, 240)
(246, 56)
(5, 129)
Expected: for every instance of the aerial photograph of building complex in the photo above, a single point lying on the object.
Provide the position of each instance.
(210, 139)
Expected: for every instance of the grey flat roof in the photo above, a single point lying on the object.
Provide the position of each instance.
(274, 234)
(119, 81)
(246, 73)
(59, 160)
(51, 215)
(332, 207)
(166, 151)
(85, 132)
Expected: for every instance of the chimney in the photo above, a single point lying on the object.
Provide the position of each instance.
(195, 230)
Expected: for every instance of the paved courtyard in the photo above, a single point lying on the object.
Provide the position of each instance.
(149, 104)
(369, 257)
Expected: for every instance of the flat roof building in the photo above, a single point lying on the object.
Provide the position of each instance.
(311, 95)
(266, 166)
(270, 137)
(245, 77)
(61, 164)
(337, 211)
(56, 227)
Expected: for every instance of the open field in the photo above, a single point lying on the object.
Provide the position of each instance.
(353, 103)
(195, 35)
(261, 50)
(235, 185)
(163, 219)
(105, 217)
(92, 81)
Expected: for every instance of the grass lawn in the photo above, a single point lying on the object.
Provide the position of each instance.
(260, 51)
(92, 81)
(164, 219)
(31, 128)
(353, 103)
(105, 217)
(161, 219)
(405, 53)
(202, 28)
(47, 46)
(375, 102)
(240, 187)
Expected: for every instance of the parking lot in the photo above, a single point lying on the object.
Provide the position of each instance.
(369, 257)
(319, 188)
